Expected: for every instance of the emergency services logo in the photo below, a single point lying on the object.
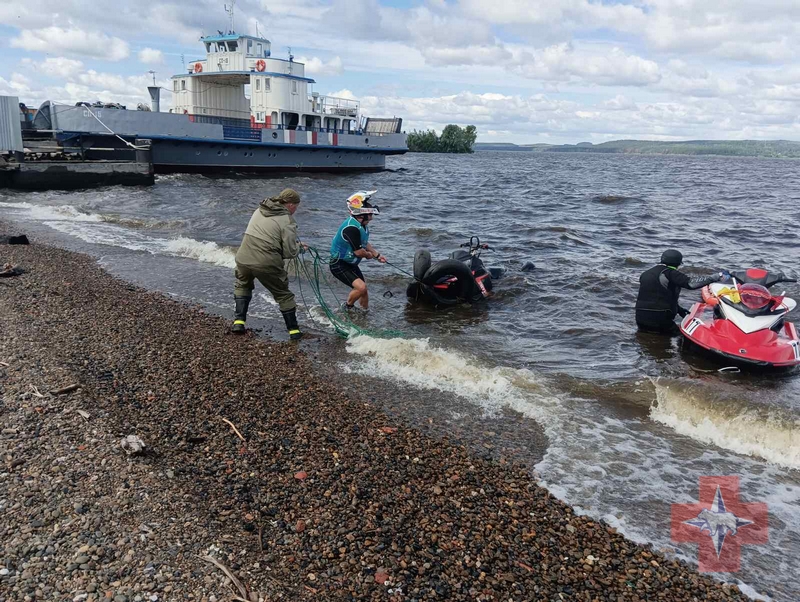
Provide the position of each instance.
(720, 524)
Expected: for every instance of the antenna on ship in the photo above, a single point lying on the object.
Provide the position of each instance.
(230, 13)
(257, 34)
(183, 61)
(153, 73)
(291, 57)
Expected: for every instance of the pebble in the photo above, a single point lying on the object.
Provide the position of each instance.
(394, 513)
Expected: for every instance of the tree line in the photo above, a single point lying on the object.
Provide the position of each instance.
(454, 139)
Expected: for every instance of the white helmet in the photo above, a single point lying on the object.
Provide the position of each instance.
(358, 203)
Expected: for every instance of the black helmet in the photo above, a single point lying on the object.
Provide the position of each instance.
(672, 258)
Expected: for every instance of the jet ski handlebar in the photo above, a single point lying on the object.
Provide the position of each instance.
(762, 277)
(474, 244)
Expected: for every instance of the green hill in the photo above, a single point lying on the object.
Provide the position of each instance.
(739, 148)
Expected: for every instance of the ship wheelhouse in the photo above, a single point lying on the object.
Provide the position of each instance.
(240, 84)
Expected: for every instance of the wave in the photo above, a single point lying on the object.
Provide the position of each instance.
(418, 363)
(205, 251)
(613, 199)
(633, 261)
(111, 230)
(54, 212)
(765, 432)
(574, 239)
(420, 232)
(140, 223)
(76, 214)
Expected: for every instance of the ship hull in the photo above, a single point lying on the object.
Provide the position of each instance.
(178, 144)
(222, 157)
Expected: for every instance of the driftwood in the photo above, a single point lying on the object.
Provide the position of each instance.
(67, 389)
(243, 592)
(235, 430)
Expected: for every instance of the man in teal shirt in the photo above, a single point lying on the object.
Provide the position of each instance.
(351, 245)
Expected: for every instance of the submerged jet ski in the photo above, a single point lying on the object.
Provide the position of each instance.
(458, 279)
(743, 322)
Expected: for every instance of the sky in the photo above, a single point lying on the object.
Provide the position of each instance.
(522, 71)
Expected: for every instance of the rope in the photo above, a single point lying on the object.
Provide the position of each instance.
(402, 270)
(315, 275)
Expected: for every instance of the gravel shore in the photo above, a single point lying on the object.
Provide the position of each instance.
(307, 493)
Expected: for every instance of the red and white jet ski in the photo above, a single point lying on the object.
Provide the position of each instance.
(744, 322)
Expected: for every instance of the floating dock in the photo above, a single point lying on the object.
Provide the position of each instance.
(36, 162)
(72, 175)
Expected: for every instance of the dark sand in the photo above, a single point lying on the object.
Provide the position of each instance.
(328, 498)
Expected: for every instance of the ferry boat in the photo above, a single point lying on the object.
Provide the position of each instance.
(214, 127)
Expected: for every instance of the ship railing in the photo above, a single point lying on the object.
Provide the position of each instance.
(334, 105)
(304, 128)
(254, 133)
(212, 112)
(240, 133)
(218, 120)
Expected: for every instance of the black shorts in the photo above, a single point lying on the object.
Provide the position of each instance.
(346, 272)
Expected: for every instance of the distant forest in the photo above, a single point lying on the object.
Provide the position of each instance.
(454, 139)
(739, 148)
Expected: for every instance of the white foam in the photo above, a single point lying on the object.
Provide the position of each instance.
(773, 437)
(96, 229)
(53, 212)
(207, 252)
(417, 362)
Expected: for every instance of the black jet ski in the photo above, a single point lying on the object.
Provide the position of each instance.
(461, 278)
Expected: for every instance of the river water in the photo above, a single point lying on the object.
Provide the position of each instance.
(632, 421)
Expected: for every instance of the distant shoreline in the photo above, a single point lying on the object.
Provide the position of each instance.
(733, 148)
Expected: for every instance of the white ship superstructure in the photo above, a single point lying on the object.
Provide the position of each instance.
(242, 109)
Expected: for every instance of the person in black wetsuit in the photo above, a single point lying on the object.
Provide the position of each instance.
(659, 289)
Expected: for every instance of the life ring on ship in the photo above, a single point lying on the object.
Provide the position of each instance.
(261, 64)
(198, 67)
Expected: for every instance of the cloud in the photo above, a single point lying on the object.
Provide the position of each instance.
(54, 66)
(316, 66)
(18, 85)
(611, 67)
(151, 56)
(537, 117)
(565, 13)
(470, 55)
(72, 41)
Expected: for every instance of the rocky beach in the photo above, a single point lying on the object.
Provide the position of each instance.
(260, 478)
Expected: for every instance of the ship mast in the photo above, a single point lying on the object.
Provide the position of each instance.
(230, 14)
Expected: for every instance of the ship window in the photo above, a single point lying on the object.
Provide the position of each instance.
(294, 87)
(232, 46)
(208, 47)
(249, 46)
(221, 47)
(183, 84)
(175, 85)
(260, 52)
(258, 85)
(266, 84)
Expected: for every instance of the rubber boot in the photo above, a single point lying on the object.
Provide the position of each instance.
(240, 314)
(290, 317)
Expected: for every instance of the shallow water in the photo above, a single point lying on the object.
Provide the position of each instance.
(633, 420)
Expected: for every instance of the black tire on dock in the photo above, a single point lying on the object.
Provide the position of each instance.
(422, 261)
